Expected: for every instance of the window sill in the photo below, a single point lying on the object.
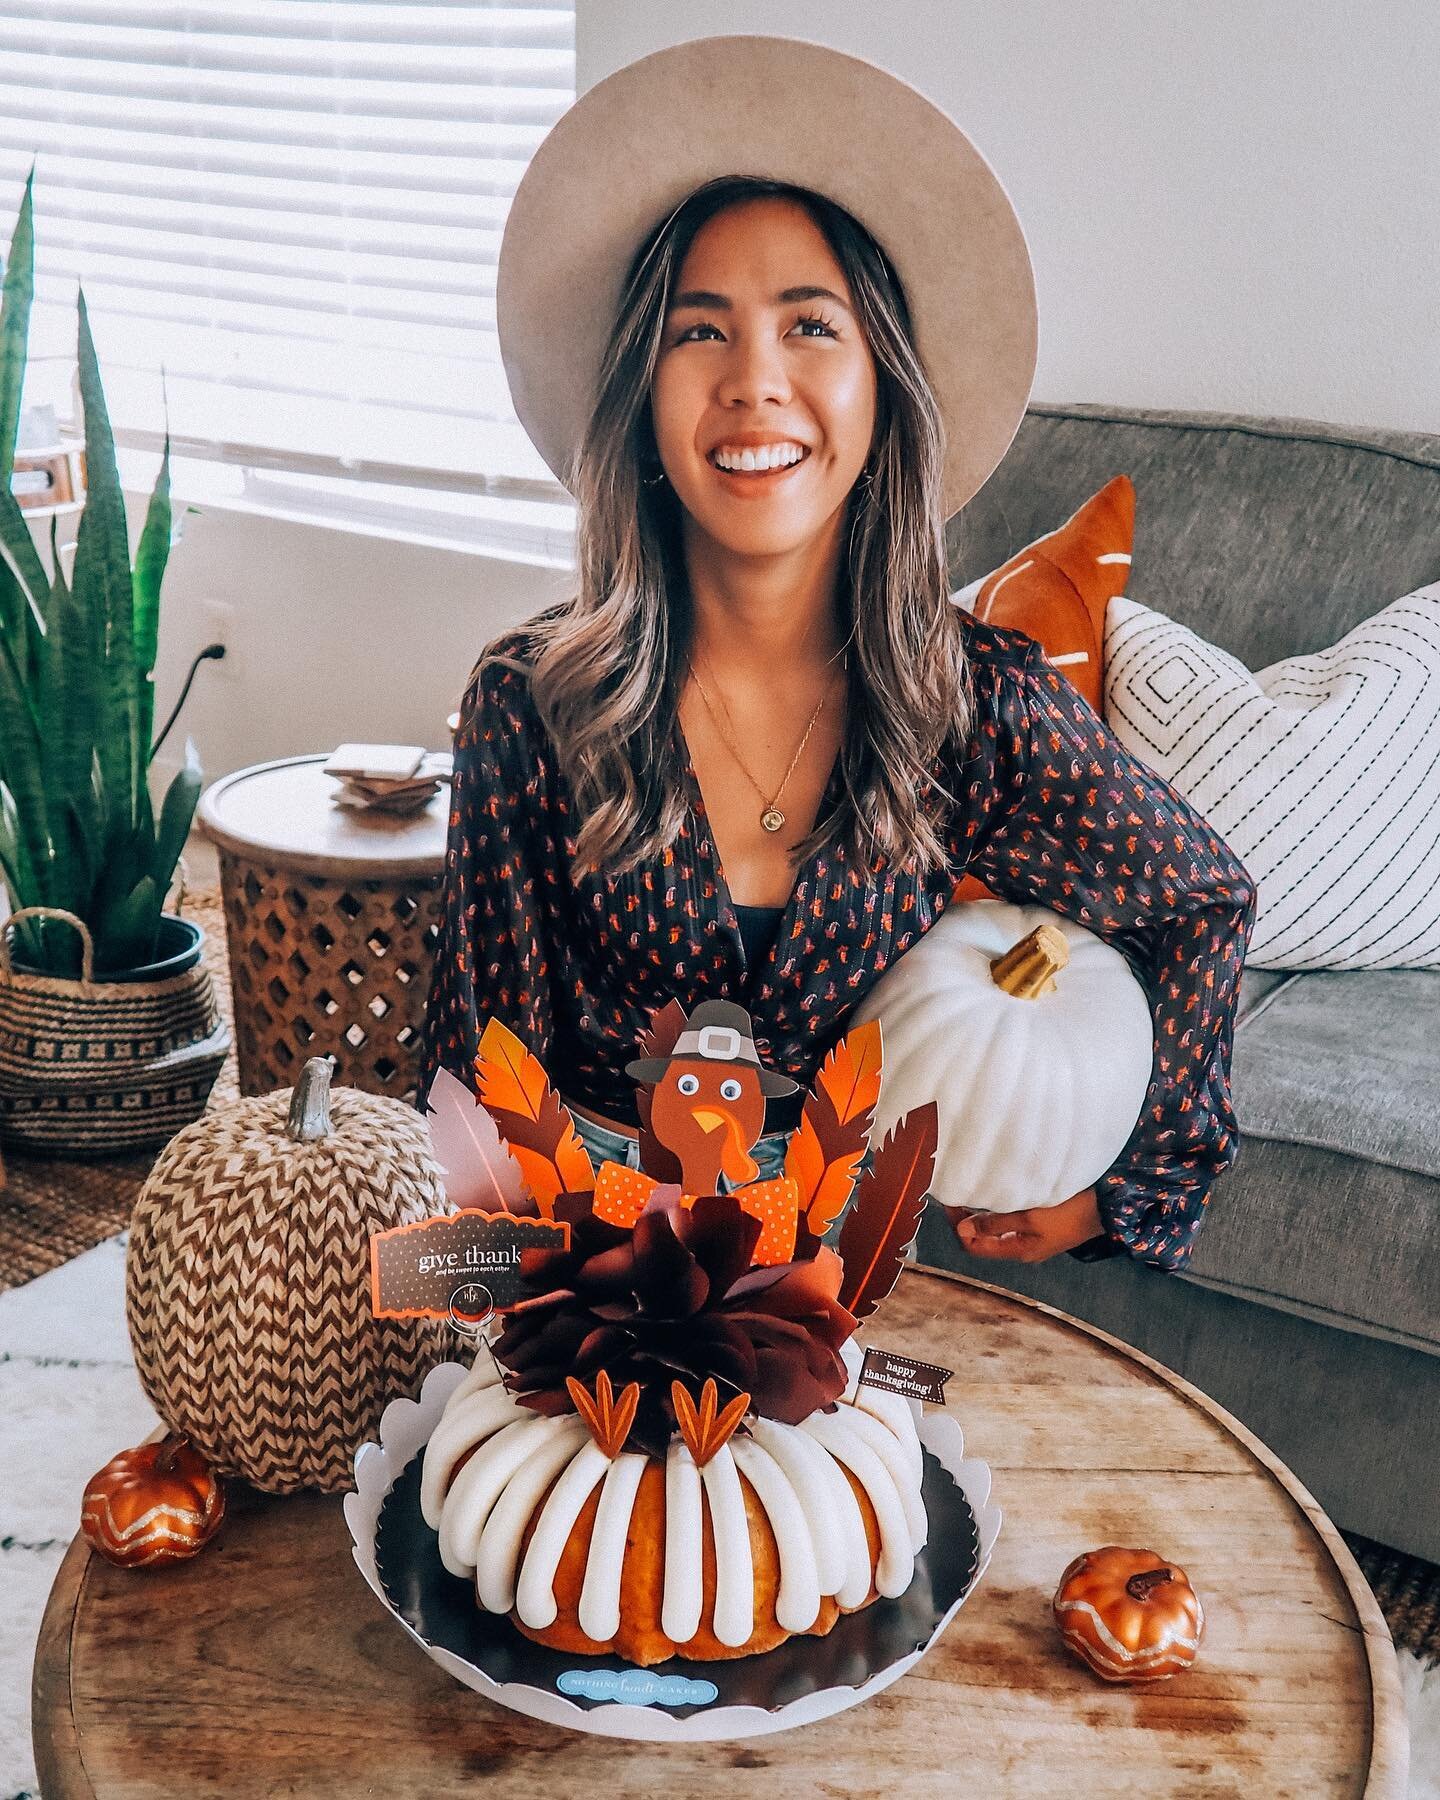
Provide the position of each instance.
(535, 533)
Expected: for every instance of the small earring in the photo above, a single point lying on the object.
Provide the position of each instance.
(655, 479)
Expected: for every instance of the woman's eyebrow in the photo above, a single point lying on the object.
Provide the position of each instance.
(721, 302)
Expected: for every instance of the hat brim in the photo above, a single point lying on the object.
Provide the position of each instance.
(635, 145)
(652, 1069)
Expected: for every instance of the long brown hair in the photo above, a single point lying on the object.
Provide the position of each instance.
(607, 667)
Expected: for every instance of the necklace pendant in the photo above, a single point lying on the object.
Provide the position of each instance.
(772, 818)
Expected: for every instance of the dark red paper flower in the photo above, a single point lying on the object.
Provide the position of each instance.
(675, 1299)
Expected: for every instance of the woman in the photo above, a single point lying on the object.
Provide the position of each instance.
(752, 756)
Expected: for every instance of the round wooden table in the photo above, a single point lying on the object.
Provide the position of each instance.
(266, 1667)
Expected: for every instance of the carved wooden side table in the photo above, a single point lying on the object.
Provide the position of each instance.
(331, 917)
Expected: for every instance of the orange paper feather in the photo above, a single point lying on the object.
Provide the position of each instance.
(830, 1141)
(535, 1124)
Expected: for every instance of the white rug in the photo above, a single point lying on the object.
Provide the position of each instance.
(69, 1399)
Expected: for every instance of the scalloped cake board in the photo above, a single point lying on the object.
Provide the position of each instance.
(405, 1427)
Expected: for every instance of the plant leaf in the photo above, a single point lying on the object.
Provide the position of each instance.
(889, 1204)
(21, 764)
(151, 555)
(177, 811)
(102, 582)
(19, 876)
(126, 936)
(18, 294)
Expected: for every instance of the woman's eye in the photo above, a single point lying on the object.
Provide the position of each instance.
(809, 325)
(730, 1089)
(689, 1084)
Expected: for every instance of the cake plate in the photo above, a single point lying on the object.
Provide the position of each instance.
(804, 1679)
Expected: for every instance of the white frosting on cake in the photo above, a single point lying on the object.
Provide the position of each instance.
(683, 1596)
(599, 1610)
(522, 1470)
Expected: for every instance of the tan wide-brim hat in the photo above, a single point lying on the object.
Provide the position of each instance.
(634, 146)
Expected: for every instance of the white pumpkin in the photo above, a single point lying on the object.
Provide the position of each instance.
(1034, 1039)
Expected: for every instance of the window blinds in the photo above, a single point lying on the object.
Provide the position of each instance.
(292, 206)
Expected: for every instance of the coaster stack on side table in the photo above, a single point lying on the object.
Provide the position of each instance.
(331, 918)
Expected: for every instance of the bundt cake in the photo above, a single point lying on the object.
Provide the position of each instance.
(664, 1450)
(733, 1540)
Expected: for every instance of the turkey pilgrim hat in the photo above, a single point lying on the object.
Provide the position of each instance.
(635, 146)
(717, 1031)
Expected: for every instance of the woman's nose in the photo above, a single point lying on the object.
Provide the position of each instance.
(754, 373)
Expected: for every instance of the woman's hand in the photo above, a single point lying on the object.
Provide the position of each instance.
(1033, 1236)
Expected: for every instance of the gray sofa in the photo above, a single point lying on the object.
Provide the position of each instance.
(1311, 1308)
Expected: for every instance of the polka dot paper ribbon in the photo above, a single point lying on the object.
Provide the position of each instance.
(621, 1193)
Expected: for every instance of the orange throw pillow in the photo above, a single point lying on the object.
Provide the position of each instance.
(1056, 590)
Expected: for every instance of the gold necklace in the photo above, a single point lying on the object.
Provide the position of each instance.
(771, 817)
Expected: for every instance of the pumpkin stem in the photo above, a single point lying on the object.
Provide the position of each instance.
(1141, 1586)
(1028, 969)
(170, 1447)
(310, 1102)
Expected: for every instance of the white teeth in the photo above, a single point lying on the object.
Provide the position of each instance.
(768, 456)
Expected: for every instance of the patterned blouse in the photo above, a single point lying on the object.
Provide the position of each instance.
(1053, 811)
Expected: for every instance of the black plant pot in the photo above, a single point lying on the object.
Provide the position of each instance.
(179, 945)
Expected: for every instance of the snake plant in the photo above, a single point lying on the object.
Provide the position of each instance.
(77, 828)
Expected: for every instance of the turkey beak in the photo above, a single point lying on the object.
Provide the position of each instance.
(709, 1121)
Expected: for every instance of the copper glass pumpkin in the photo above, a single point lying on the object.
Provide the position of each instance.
(157, 1503)
(1129, 1614)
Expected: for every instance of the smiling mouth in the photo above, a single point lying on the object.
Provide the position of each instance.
(758, 477)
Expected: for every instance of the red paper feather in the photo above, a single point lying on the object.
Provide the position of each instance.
(659, 1040)
(889, 1204)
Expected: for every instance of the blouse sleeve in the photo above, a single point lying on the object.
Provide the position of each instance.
(1098, 836)
(489, 957)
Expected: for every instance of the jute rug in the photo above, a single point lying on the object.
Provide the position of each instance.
(52, 1209)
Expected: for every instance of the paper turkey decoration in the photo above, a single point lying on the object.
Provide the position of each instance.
(511, 1146)
(1035, 1036)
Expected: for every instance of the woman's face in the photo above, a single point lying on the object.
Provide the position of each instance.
(763, 360)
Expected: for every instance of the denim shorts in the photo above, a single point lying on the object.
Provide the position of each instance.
(614, 1146)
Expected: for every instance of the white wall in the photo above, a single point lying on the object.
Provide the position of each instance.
(1232, 205)
(330, 636)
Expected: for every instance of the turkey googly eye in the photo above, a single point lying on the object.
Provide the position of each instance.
(689, 1084)
(730, 1088)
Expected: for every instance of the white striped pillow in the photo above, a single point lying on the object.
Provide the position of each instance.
(1322, 774)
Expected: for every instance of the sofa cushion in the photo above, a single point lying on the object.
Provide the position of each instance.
(1333, 1207)
(1270, 536)
(1321, 773)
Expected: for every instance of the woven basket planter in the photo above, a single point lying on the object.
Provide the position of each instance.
(247, 1280)
(99, 1068)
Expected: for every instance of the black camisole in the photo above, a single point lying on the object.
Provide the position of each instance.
(758, 927)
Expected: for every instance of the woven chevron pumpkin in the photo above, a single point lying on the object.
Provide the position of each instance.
(247, 1280)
